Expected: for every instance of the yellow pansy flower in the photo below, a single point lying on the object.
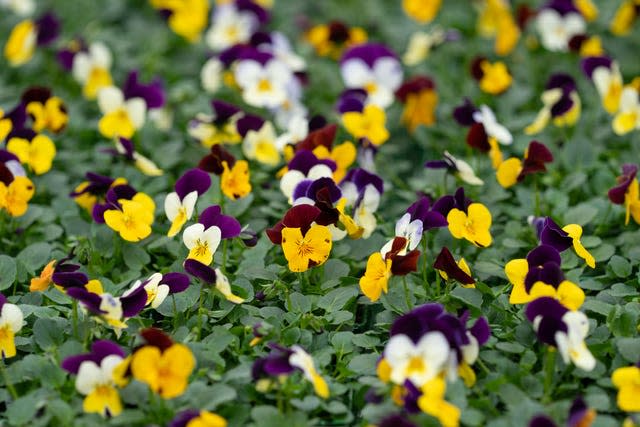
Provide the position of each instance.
(38, 153)
(376, 277)
(627, 381)
(370, 124)
(234, 182)
(306, 251)
(167, 372)
(21, 43)
(473, 225)
(133, 221)
(14, 198)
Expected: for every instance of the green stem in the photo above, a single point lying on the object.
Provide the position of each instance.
(437, 285)
(200, 311)
(549, 368)
(424, 264)
(537, 197)
(175, 312)
(224, 256)
(7, 382)
(407, 295)
(74, 318)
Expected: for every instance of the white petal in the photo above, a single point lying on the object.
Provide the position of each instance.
(108, 364)
(161, 294)
(470, 351)
(574, 24)
(382, 97)
(628, 99)
(350, 192)
(435, 348)
(12, 316)
(562, 343)
(466, 173)
(100, 55)
(414, 234)
(371, 198)
(289, 181)
(81, 67)
(110, 98)
(212, 235)
(192, 234)
(247, 73)
(277, 72)
(189, 203)
(398, 350)
(153, 281)
(172, 205)
(356, 73)
(211, 75)
(146, 165)
(303, 201)
(402, 225)
(137, 109)
(319, 171)
(388, 73)
(386, 248)
(89, 377)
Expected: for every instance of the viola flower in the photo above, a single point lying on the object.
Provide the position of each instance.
(125, 149)
(220, 128)
(496, 20)
(627, 118)
(34, 150)
(159, 286)
(557, 23)
(153, 93)
(362, 191)
(514, 170)
(285, 361)
(202, 239)
(94, 189)
(422, 11)
(485, 117)
(90, 67)
(493, 78)
(551, 234)
(211, 75)
(164, 366)
(180, 204)
(42, 282)
(624, 18)
(627, 381)
(209, 276)
(15, 188)
(374, 68)
(261, 145)
(448, 267)
(421, 43)
(561, 103)
(263, 79)
(539, 275)
(11, 319)
(376, 276)
(19, 7)
(606, 76)
(194, 418)
(333, 38)
(627, 192)
(28, 34)
(48, 112)
(562, 328)
(114, 311)
(420, 99)
(186, 18)
(472, 225)
(232, 25)
(369, 124)
(131, 218)
(458, 167)
(95, 377)
(120, 117)
(304, 166)
(580, 415)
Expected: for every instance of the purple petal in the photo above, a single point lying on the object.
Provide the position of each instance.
(617, 193)
(463, 114)
(249, 122)
(200, 270)
(541, 421)
(192, 180)
(591, 63)
(104, 348)
(552, 235)
(434, 219)
(481, 330)
(177, 282)
(152, 93)
(301, 189)
(545, 307)
(561, 80)
(90, 300)
(183, 418)
(48, 28)
(72, 364)
(303, 161)
(542, 254)
(223, 110)
(133, 303)
(229, 226)
(369, 53)
(333, 190)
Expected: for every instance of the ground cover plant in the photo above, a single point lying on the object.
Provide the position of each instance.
(333, 213)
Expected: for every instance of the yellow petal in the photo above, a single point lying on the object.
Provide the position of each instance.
(570, 295)
(508, 171)
(116, 123)
(575, 232)
(101, 399)
(42, 153)
(144, 366)
(7, 343)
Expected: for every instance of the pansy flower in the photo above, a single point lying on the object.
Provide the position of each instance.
(180, 204)
(90, 66)
(203, 238)
(29, 34)
(627, 192)
(562, 328)
(158, 286)
(10, 324)
(234, 174)
(627, 380)
(606, 76)
(95, 377)
(305, 243)
(94, 189)
(627, 118)
(19, 7)
(130, 215)
(304, 166)
(551, 234)
(195, 418)
(448, 267)
(540, 275)
(186, 18)
(456, 166)
(374, 68)
(277, 44)
(121, 117)
(234, 23)
(48, 112)
(219, 128)
(37, 151)
(370, 123)
(209, 276)
(125, 149)
(15, 188)
(513, 170)
(624, 18)
(484, 130)
(42, 282)
(496, 20)
(580, 415)
(163, 365)
(332, 38)
(262, 78)
(286, 361)
(420, 98)
(561, 104)
(421, 43)
(467, 220)
(152, 93)
(493, 77)
(422, 11)
(557, 22)
(261, 145)
(362, 191)
(109, 309)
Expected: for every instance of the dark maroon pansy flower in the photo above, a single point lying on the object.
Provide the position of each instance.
(536, 156)
(617, 193)
(463, 114)
(48, 26)
(212, 162)
(415, 84)
(396, 420)
(445, 262)
(156, 338)
(321, 134)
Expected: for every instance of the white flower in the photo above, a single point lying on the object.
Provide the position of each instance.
(464, 170)
(263, 85)
(491, 126)
(229, 27)
(556, 30)
(211, 75)
(571, 344)
(419, 362)
(202, 244)
(302, 360)
(628, 117)
(179, 211)
(223, 285)
(97, 58)
(380, 82)
(261, 145)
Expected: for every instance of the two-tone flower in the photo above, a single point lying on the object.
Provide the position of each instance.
(11, 319)
(47, 112)
(220, 127)
(514, 170)
(420, 99)
(362, 191)
(93, 191)
(128, 212)
(186, 18)
(158, 286)
(209, 276)
(29, 34)
(120, 116)
(262, 78)
(203, 238)
(627, 192)
(193, 417)
(180, 204)
(15, 188)
(580, 415)
(557, 23)
(457, 167)
(332, 38)
(607, 78)
(563, 238)
(234, 23)
(561, 104)
(493, 78)
(565, 329)
(89, 65)
(449, 268)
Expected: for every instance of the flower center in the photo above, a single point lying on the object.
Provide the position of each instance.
(371, 87)
(416, 365)
(264, 85)
(201, 248)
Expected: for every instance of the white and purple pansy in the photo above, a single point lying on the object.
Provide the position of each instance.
(457, 167)
(562, 328)
(304, 166)
(234, 23)
(374, 68)
(263, 79)
(557, 23)
(180, 204)
(362, 190)
(125, 149)
(203, 238)
(158, 286)
(210, 276)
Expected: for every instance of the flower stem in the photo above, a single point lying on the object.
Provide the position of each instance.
(200, 311)
(7, 381)
(74, 318)
(537, 195)
(407, 295)
(549, 368)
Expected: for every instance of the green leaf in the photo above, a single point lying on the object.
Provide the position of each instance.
(337, 298)
(49, 333)
(364, 364)
(620, 266)
(134, 256)
(335, 269)
(342, 342)
(469, 296)
(300, 303)
(629, 348)
(34, 256)
(581, 214)
(24, 408)
(7, 272)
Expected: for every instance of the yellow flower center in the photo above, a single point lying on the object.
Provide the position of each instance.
(371, 87)
(417, 365)
(264, 85)
(201, 248)
(232, 32)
